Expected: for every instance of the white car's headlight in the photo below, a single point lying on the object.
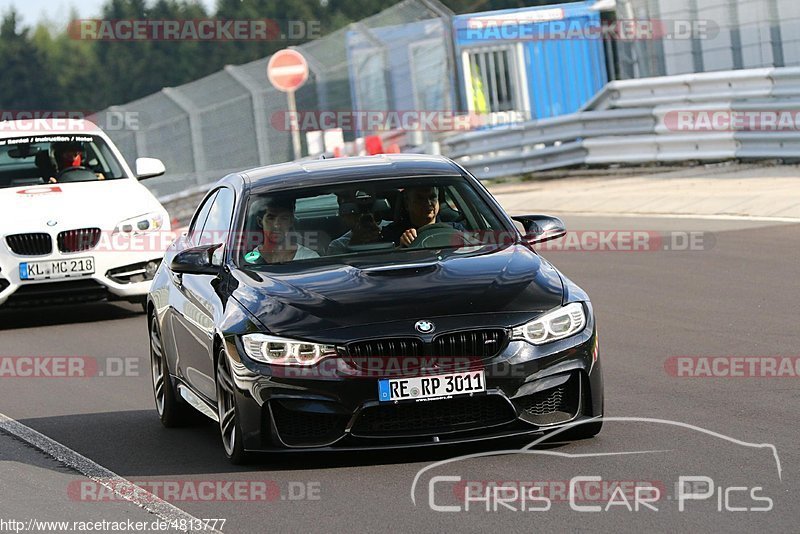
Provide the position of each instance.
(553, 325)
(149, 222)
(282, 351)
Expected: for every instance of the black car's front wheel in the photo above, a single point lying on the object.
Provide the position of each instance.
(171, 410)
(229, 428)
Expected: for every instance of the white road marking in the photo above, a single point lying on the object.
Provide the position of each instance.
(118, 485)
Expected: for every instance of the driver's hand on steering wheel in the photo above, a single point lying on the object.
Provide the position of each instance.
(52, 180)
(408, 237)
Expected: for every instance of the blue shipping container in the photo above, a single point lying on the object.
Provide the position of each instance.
(542, 61)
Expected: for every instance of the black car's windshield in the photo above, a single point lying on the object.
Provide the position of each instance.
(43, 159)
(368, 219)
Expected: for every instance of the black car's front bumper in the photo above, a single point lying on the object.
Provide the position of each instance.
(528, 391)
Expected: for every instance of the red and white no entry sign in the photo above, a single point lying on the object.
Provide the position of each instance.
(287, 70)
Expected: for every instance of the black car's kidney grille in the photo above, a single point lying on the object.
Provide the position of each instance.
(447, 350)
(304, 428)
(78, 240)
(479, 344)
(551, 406)
(385, 348)
(433, 417)
(37, 244)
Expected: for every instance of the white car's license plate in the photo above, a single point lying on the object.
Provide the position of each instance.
(430, 387)
(41, 270)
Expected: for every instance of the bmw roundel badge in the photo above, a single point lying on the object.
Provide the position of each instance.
(424, 327)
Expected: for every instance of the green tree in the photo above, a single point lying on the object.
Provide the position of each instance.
(132, 69)
(73, 65)
(27, 83)
(42, 70)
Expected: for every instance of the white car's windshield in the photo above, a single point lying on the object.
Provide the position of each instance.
(43, 159)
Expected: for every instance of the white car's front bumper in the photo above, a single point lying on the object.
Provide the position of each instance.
(119, 274)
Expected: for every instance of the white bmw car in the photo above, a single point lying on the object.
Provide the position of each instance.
(75, 223)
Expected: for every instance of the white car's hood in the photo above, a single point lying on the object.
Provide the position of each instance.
(101, 204)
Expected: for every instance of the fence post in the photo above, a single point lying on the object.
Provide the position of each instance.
(199, 157)
(259, 110)
(320, 79)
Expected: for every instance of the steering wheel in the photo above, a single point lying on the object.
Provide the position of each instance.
(438, 235)
(67, 170)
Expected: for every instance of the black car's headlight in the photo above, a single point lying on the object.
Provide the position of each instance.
(283, 351)
(552, 326)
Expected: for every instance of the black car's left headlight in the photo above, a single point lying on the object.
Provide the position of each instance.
(276, 350)
(553, 325)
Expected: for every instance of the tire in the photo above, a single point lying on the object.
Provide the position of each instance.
(229, 428)
(172, 411)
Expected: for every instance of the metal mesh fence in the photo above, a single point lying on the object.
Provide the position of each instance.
(230, 120)
(727, 35)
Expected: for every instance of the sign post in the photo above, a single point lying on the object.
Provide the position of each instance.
(287, 71)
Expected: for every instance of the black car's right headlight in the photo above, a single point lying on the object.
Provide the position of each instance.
(554, 325)
(276, 350)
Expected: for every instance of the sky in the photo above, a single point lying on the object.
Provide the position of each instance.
(32, 11)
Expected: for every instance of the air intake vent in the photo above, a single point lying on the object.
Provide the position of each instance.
(551, 406)
(425, 418)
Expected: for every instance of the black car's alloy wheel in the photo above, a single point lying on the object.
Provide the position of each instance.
(157, 366)
(226, 410)
(171, 410)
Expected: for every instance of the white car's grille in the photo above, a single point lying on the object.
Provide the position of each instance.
(78, 240)
(38, 244)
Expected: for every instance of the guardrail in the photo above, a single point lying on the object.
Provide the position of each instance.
(702, 87)
(634, 121)
(547, 131)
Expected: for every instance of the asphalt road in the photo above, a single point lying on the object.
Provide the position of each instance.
(737, 296)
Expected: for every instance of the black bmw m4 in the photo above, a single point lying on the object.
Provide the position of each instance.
(375, 302)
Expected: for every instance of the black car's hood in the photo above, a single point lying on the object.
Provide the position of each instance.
(308, 301)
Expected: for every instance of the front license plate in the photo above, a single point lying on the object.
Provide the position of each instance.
(42, 270)
(430, 387)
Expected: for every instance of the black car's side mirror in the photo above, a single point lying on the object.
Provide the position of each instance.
(541, 228)
(196, 260)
